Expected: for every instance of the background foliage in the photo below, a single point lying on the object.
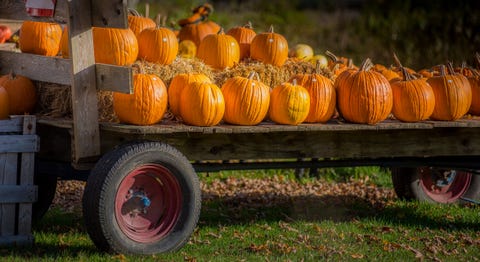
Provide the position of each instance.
(422, 33)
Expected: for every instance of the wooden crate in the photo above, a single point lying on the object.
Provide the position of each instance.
(18, 144)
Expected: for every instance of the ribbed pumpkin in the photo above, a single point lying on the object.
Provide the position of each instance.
(198, 31)
(158, 45)
(137, 23)
(413, 99)
(177, 84)
(246, 100)
(219, 50)
(269, 48)
(3, 103)
(147, 104)
(244, 36)
(22, 95)
(187, 49)
(475, 85)
(64, 45)
(289, 104)
(453, 95)
(114, 46)
(363, 96)
(322, 95)
(41, 38)
(202, 104)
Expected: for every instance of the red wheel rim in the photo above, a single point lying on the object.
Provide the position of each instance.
(148, 203)
(450, 190)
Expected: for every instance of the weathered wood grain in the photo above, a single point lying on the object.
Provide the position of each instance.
(8, 176)
(15, 9)
(18, 143)
(114, 78)
(18, 194)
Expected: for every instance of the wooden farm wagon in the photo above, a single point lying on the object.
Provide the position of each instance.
(143, 195)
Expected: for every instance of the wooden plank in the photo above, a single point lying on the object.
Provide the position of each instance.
(8, 176)
(15, 9)
(14, 124)
(17, 240)
(26, 180)
(36, 67)
(19, 143)
(114, 78)
(18, 194)
(109, 13)
(86, 139)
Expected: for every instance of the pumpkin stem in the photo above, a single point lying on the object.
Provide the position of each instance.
(474, 72)
(270, 30)
(406, 75)
(294, 82)
(133, 12)
(251, 75)
(366, 65)
(221, 31)
(443, 70)
(477, 59)
(450, 68)
(330, 55)
(318, 68)
(248, 25)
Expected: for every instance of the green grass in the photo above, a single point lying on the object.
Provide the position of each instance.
(340, 230)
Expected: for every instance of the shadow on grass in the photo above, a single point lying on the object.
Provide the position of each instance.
(338, 208)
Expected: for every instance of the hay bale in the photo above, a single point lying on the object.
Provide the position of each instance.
(55, 100)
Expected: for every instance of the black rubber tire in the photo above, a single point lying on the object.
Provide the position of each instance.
(102, 185)
(406, 182)
(46, 188)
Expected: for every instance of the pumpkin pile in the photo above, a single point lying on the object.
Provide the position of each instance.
(204, 75)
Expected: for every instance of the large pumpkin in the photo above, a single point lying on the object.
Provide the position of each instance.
(114, 46)
(158, 45)
(138, 23)
(196, 32)
(269, 48)
(322, 95)
(147, 104)
(3, 103)
(177, 84)
(41, 38)
(202, 104)
(244, 36)
(246, 100)
(363, 96)
(453, 95)
(413, 99)
(22, 95)
(289, 104)
(219, 50)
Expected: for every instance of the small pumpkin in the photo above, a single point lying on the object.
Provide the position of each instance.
(302, 51)
(202, 104)
(147, 104)
(246, 100)
(5, 33)
(177, 84)
(137, 23)
(158, 45)
(244, 36)
(453, 95)
(187, 49)
(289, 104)
(64, 44)
(22, 95)
(322, 95)
(219, 50)
(4, 105)
(41, 38)
(363, 96)
(196, 32)
(114, 46)
(270, 48)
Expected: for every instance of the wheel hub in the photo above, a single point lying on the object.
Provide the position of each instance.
(444, 185)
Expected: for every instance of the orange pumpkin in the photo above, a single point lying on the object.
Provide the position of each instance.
(219, 50)
(289, 104)
(138, 23)
(246, 100)
(178, 83)
(202, 104)
(187, 49)
(114, 46)
(41, 38)
(64, 44)
(22, 95)
(3, 103)
(196, 32)
(147, 104)
(322, 95)
(413, 99)
(453, 95)
(158, 45)
(244, 36)
(269, 48)
(363, 96)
